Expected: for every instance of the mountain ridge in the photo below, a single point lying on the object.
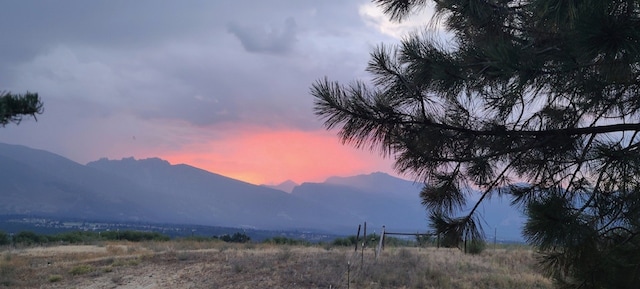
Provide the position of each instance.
(286, 186)
(153, 190)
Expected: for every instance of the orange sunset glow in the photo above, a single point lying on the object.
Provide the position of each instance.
(271, 157)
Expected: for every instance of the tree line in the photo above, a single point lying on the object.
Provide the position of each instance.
(78, 237)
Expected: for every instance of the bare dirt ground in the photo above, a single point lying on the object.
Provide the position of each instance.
(185, 264)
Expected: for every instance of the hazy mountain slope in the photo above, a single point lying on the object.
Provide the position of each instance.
(35, 181)
(380, 183)
(379, 198)
(377, 209)
(202, 197)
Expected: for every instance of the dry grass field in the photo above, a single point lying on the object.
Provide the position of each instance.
(192, 264)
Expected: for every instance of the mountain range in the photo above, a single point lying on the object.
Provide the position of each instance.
(40, 183)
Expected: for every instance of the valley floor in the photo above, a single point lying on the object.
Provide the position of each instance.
(191, 264)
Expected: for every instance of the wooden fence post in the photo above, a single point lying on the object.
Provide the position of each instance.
(364, 243)
(380, 243)
(358, 237)
(364, 236)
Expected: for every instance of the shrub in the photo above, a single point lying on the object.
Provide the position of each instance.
(279, 240)
(81, 269)
(76, 237)
(54, 278)
(343, 242)
(372, 241)
(235, 238)
(29, 238)
(134, 236)
(476, 246)
(4, 238)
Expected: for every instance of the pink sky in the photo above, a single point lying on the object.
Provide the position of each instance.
(271, 157)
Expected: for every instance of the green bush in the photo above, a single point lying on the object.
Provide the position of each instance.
(279, 240)
(76, 237)
(54, 278)
(81, 270)
(4, 238)
(476, 247)
(343, 242)
(235, 238)
(29, 238)
(134, 236)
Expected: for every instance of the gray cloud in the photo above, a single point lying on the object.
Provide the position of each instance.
(110, 69)
(262, 39)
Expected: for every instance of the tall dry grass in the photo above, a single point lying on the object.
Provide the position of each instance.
(450, 268)
(197, 264)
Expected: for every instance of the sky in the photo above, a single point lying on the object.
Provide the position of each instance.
(219, 85)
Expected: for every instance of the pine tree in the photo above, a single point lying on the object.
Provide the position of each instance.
(13, 107)
(538, 92)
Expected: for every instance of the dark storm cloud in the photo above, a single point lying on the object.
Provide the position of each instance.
(261, 39)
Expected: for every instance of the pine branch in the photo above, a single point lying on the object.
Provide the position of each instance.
(14, 106)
